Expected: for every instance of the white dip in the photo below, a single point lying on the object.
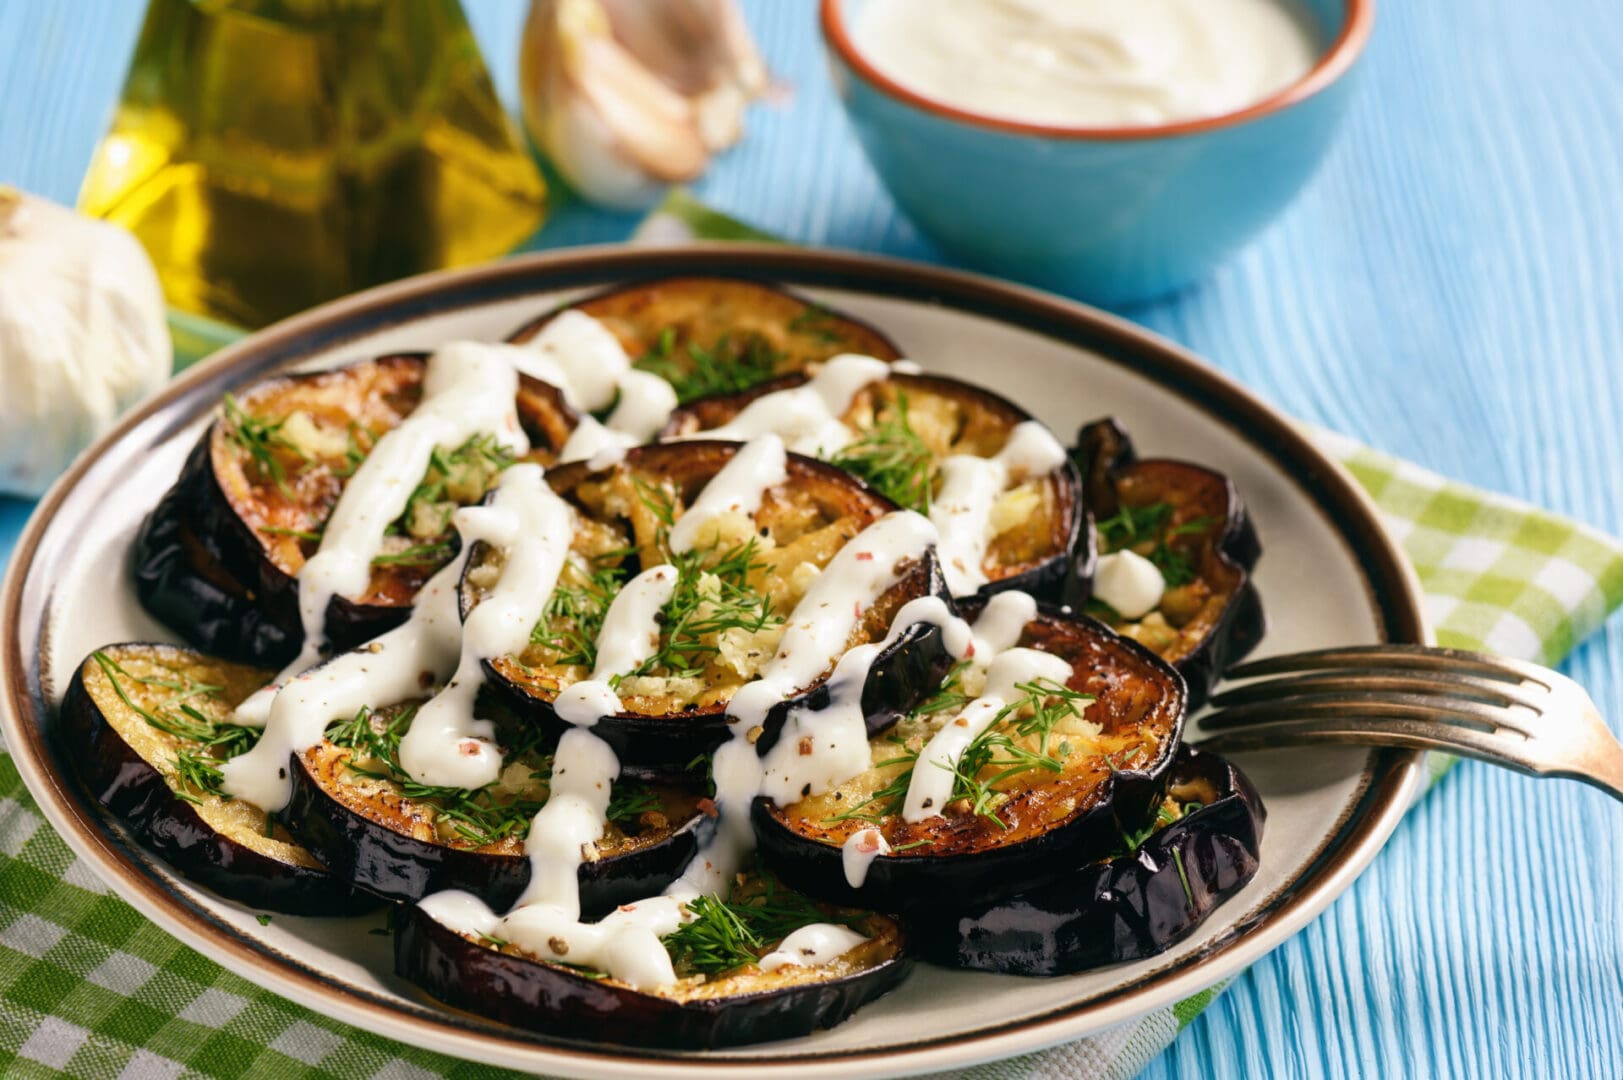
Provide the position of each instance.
(1091, 63)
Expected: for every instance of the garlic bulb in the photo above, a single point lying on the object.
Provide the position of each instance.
(627, 96)
(82, 335)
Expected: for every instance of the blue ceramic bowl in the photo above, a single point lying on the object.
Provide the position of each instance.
(1111, 215)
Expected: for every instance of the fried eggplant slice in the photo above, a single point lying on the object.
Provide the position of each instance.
(144, 727)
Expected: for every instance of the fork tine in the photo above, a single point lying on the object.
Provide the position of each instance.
(1329, 709)
(1419, 735)
(1415, 681)
(1413, 657)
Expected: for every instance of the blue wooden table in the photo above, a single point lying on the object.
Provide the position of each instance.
(1449, 289)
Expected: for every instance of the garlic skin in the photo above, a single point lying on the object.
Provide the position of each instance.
(626, 97)
(82, 335)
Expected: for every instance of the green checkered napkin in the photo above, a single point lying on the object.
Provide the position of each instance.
(89, 988)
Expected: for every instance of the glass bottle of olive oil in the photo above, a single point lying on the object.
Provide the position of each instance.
(272, 154)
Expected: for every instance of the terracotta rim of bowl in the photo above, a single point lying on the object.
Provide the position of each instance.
(1335, 62)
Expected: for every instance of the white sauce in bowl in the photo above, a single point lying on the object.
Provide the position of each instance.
(1091, 63)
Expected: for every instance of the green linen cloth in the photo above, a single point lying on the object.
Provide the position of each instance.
(90, 989)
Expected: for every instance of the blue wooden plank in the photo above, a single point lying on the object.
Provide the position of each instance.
(1447, 289)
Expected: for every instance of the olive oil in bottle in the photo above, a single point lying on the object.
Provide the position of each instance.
(272, 154)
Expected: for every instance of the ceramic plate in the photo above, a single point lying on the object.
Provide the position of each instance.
(1329, 576)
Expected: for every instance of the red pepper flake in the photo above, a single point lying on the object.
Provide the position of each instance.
(856, 609)
(628, 907)
(969, 652)
(806, 747)
(469, 747)
(868, 841)
(864, 556)
(708, 806)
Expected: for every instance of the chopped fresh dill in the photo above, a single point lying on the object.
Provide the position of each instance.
(354, 451)
(456, 477)
(574, 616)
(262, 441)
(817, 322)
(482, 815)
(893, 460)
(1051, 703)
(1183, 878)
(1134, 526)
(996, 751)
(195, 770)
(196, 775)
(726, 935)
(915, 844)
(992, 757)
(1130, 525)
(1165, 814)
(298, 534)
(416, 555)
(730, 365)
(658, 500)
(712, 595)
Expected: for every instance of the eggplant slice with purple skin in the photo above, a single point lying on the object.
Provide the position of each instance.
(216, 560)
(1189, 521)
(355, 809)
(706, 1010)
(713, 335)
(143, 726)
(1203, 850)
(723, 622)
(1049, 786)
(904, 426)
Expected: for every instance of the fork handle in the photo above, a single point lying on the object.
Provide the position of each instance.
(1407, 734)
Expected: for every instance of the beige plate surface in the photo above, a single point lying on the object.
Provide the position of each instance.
(1328, 576)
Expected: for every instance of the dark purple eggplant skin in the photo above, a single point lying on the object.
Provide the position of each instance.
(557, 1002)
(675, 748)
(404, 869)
(897, 883)
(1127, 908)
(135, 793)
(1103, 451)
(1048, 580)
(203, 571)
(181, 581)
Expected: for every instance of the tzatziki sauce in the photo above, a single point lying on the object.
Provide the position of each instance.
(1091, 63)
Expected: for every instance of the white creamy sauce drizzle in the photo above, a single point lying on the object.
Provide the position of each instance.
(445, 746)
(930, 789)
(807, 416)
(859, 851)
(817, 630)
(1130, 583)
(812, 946)
(394, 667)
(584, 359)
(970, 485)
(585, 352)
(1094, 63)
(466, 392)
(739, 487)
(629, 635)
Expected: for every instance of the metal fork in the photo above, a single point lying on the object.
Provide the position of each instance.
(1508, 712)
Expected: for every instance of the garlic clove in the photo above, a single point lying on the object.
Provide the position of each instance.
(626, 97)
(83, 335)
